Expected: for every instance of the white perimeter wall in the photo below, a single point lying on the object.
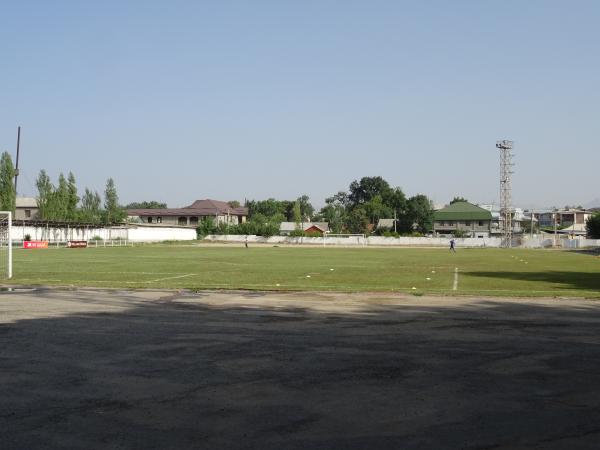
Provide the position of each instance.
(527, 242)
(153, 234)
(132, 233)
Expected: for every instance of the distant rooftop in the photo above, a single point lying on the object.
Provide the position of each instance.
(462, 211)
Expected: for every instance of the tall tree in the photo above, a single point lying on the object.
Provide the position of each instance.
(376, 209)
(60, 199)
(358, 221)
(113, 212)
(297, 214)
(90, 207)
(72, 197)
(45, 189)
(395, 200)
(7, 187)
(592, 226)
(420, 210)
(306, 209)
(334, 212)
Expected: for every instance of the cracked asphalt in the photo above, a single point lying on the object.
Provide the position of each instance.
(249, 370)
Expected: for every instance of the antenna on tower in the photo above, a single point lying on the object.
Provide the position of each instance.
(506, 164)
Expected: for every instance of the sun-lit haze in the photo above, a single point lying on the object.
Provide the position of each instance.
(231, 100)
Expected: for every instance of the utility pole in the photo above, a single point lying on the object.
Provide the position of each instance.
(505, 189)
(17, 161)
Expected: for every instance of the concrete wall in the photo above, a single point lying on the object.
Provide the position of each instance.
(156, 234)
(138, 233)
(580, 243)
(359, 241)
(495, 242)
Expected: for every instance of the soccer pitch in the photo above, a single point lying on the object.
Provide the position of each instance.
(501, 272)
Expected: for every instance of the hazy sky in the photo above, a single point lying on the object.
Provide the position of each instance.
(253, 99)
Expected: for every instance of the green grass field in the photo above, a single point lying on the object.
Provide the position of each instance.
(495, 272)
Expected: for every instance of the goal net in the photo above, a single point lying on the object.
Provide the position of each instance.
(344, 239)
(5, 245)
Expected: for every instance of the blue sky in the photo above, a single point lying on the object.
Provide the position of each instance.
(231, 100)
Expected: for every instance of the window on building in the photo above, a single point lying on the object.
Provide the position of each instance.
(193, 221)
(159, 220)
(27, 213)
(468, 223)
(182, 221)
(149, 219)
(481, 223)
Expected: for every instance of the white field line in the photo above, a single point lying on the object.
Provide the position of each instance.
(455, 284)
(171, 278)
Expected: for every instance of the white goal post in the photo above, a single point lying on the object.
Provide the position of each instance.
(5, 245)
(345, 239)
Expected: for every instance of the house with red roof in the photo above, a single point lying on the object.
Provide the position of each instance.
(221, 212)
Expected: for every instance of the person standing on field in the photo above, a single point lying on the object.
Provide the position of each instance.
(452, 246)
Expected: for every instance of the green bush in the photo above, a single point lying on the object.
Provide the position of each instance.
(205, 227)
(301, 233)
(459, 233)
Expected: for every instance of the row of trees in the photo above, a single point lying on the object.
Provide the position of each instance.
(357, 210)
(372, 198)
(264, 217)
(61, 202)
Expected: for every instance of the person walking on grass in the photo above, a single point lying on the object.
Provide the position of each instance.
(452, 246)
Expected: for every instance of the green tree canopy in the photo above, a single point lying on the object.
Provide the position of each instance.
(592, 226)
(7, 187)
(90, 207)
(153, 204)
(334, 212)
(358, 220)
(268, 208)
(45, 190)
(368, 187)
(72, 197)
(376, 209)
(113, 212)
(306, 209)
(418, 216)
(297, 214)
(458, 199)
(420, 208)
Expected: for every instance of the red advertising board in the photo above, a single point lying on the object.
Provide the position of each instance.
(35, 244)
(77, 244)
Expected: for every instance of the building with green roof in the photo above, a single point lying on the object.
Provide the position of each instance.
(462, 218)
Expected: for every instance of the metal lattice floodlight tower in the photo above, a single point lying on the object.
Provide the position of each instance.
(505, 189)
